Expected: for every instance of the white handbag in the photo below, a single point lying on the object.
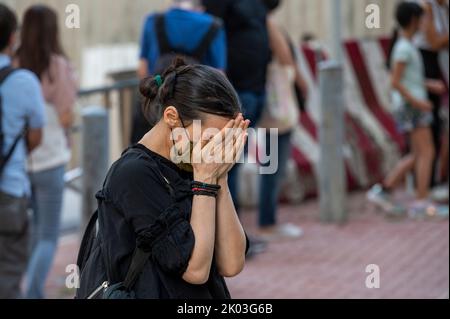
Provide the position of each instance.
(281, 110)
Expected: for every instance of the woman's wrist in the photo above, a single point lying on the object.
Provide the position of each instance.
(207, 179)
(223, 181)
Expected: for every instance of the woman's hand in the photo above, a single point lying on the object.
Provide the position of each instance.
(234, 144)
(218, 156)
(436, 87)
(423, 105)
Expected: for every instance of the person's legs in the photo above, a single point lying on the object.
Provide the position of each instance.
(436, 131)
(405, 165)
(443, 168)
(271, 183)
(48, 187)
(252, 106)
(433, 71)
(424, 152)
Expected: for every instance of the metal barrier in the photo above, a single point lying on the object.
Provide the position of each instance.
(91, 136)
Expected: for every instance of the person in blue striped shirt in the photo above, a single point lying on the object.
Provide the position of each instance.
(22, 110)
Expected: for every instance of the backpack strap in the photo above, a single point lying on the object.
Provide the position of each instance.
(138, 262)
(204, 45)
(141, 257)
(161, 34)
(85, 242)
(5, 72)
(200, 51)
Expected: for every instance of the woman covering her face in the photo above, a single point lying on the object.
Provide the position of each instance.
(169, 205)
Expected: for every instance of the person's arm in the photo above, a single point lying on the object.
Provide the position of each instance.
(282, 52)
(300, 82)
(279, 45)
(35, 109)
(230, 237)
(66, 93)
(396, 76)
(218, 51)
(205, 222)
(34, 138)
(66, 118)
(435, 86)
(230, 242)
(436, 40)
(203, 219)
(142, 71)
(179, 247)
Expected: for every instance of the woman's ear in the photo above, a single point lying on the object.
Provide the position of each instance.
(171, 117)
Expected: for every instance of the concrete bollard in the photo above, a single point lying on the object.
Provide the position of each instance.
(332, 178)
(95, 156)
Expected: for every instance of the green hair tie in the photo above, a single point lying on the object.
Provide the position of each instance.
(159, 80)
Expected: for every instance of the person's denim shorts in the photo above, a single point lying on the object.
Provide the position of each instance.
(408, 119)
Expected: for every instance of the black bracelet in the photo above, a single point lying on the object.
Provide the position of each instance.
(195, 184)
(203, 192)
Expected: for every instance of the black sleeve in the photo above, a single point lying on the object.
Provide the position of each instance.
(217, 8)
(158, 223)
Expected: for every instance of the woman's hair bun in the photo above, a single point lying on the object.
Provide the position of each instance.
(190, 87)
(149, 88)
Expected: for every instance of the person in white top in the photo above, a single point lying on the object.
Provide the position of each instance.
(41, 53)
(432, 40)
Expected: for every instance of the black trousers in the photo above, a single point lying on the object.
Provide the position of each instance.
(433, 71)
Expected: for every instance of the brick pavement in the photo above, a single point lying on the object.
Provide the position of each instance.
(329, 261)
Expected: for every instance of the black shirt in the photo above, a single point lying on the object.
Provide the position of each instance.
(135, 206)
(247, 41)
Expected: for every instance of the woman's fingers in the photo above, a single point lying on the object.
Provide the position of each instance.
(235, 138)
(223, 143)
(218, 138)
(239, 119)
(226, 145)
(239, 140)
(240, 146)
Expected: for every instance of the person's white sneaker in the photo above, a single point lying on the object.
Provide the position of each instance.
(380, 198)
(439, 194)
(287, 230)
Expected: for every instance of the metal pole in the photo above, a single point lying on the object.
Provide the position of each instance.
(332, 181)
(336, 30)
(95, 155)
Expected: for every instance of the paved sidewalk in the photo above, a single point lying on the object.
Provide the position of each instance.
(329, 261)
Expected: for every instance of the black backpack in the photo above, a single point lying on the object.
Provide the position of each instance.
(4, 157)
(167, 53)
(93, 267)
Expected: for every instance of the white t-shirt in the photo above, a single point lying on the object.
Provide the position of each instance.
(413, 77)
(59, 85)
(54, 148)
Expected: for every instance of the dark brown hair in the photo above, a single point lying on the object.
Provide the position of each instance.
(193, 89)
(8, 25)
(405, 13)
(39, 39)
